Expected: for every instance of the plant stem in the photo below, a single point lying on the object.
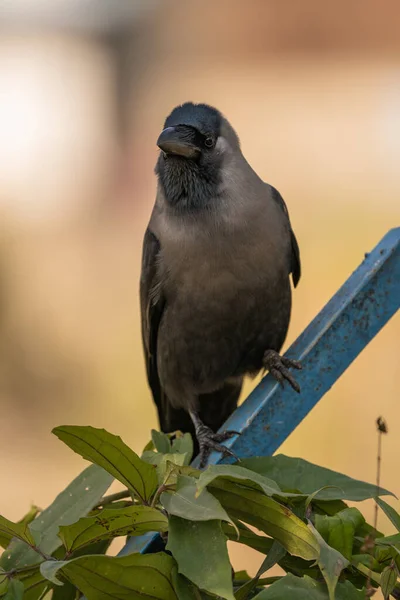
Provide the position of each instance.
(44, 593)
(381, 428)
(163, 488)
(158, 493)
(112, 498)
(17, 571)
(42, 554)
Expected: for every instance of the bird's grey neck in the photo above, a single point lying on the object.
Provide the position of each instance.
(186, 185)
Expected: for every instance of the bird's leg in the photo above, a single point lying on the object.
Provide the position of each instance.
(279, 367)
(209, 441)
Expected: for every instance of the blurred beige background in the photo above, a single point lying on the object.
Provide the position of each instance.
(313, 91)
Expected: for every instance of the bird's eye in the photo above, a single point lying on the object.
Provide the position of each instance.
(209, 142)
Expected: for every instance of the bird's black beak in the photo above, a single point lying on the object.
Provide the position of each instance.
(178, 140)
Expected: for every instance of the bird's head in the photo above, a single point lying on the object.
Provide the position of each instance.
(195, 142)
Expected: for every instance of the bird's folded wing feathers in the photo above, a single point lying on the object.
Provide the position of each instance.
(152, 304)
(295, 257)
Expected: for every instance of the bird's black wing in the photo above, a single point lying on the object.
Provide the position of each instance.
(295, 262)
(152, 306)
(215, 407)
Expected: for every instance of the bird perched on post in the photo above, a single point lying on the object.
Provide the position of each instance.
(215, 289)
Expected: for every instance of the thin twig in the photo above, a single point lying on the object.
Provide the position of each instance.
(44, 593)
(112, 498)
(163, 488)
(17, 571)
(42, 554)
(382, 428)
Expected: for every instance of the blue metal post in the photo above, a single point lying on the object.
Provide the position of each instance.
(337, 335)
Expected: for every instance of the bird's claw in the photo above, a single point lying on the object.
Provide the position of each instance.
(279, 367)
(210, 441)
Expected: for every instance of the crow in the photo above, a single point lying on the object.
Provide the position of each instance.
(215, 287)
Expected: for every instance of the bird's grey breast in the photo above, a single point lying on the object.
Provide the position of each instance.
(222, 252)
(225, 278)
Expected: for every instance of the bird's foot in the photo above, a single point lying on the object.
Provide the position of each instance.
(210, 441)
(279, 367)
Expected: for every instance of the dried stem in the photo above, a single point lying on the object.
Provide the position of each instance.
(382, 429)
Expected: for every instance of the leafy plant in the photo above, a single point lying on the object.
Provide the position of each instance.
(289, 510)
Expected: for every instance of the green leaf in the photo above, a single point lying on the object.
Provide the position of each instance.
(17, 530)
(390, 540)
(5, 539)
(352, 515)
(276, 554)
(201, 552)
(298, 474)
(149, 447)
(396, 550)
(74, 502)
(32, 582)
(167, 472)
(167, 465)
(366, 571)
(15, 590)
(329, 507)
(183, 445)
(367, 560)
(383, 555)
(4, 581)
(50, 568)
(372, 575)
(184, 503)
(110, 452)
(246, 536)
(245, 476)
(34, 585)
(66, 592)
(314, 495)
(269, 516)
(338, 531)
(151, 457)
(263, 544)
(135, 576)
(388, 580)
(301, 588)
(185, 589)
(390, 512)
(69, 591)
(330, 561)
(99, 547)
(111, 523)
(160, 441)
(240, 576)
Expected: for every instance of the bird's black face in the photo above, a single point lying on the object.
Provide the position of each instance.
(189, 163)
(190, 130)
(185, 141)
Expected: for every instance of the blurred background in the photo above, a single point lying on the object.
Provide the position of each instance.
(313, 90)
